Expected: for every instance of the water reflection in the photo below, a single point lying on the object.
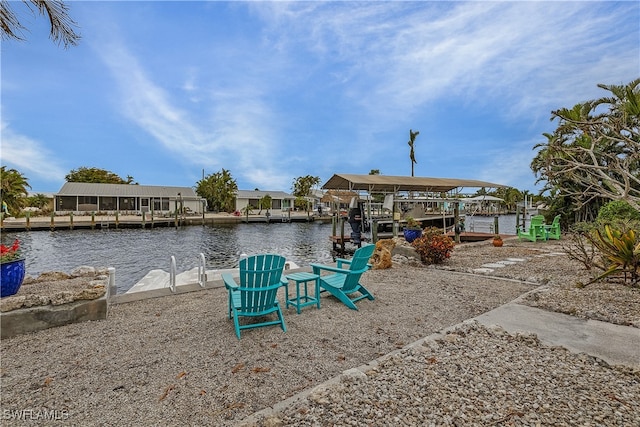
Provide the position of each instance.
(133, 252)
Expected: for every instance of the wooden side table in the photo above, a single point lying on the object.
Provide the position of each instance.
(305, 299)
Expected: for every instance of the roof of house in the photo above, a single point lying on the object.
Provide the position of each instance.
(394, 184)
(258, 194)
(124, 190)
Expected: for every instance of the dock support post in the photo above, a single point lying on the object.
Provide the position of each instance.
(93, 220)
(28, 215)
(456, 222)
(144, 225)
(117, 221)
(53, 225)
(176, 213)
(342, 235)
(374, 231)
(70, 220)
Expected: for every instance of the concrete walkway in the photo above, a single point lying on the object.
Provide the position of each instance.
(615, 344)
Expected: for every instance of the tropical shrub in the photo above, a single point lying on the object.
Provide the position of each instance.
(621, 251)
(618, 210)
(433, 247)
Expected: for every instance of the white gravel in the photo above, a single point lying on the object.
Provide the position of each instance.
(176, 360)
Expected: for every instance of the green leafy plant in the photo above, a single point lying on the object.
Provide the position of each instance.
(413, 224)
(10, 253)
(433, 247)
(621, 250)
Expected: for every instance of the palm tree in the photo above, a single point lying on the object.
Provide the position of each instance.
(412, 139)
(13, 189)
(61, 24)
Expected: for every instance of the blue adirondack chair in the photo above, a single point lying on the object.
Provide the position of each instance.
(553, 230)
(343, 283)
(536, 229)
(255, 296)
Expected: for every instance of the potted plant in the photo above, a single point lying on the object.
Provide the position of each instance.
(412, 230)
(497, 240)
(11, 269)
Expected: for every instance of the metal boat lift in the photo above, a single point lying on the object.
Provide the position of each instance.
(395, 190)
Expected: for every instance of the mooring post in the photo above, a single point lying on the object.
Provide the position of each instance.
(93, 220)
(456, 221)
(374, 231)
(27, 215)
(176, 213)
(70, 220)
(342, 235)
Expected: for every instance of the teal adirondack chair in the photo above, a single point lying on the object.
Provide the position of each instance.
(536, 229)
(343, 283)
(553, 230)
(255, 296)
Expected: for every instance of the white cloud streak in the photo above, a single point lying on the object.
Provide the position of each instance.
(28, 156)
(233, 135)
(382, 63)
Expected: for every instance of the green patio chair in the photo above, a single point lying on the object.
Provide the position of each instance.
(343, 283)
(553, 230)
(536, 229)
(255, 296)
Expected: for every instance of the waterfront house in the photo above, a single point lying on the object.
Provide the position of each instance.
(84, 198)
(280, 201)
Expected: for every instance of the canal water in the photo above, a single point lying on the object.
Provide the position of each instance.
(134, 252)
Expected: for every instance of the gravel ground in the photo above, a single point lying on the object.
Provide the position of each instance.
(176, 360)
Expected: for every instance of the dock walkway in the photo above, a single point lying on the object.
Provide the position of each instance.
(71, 222)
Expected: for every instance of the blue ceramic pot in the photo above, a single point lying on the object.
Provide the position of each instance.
(11, 277)
(411, 235)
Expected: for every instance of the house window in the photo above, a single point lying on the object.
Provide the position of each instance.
(127, 203)
(67, 203)
(276, 204)
(161, 204)
(254, 203)
(87, 203)
(108, 203)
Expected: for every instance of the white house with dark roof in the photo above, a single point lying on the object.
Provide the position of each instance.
(83, 197)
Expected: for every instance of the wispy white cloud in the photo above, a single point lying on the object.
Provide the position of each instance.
(275, 90)
(232, 133)
(403, 55)
(28, 156)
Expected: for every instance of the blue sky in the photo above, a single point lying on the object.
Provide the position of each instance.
(276, 90)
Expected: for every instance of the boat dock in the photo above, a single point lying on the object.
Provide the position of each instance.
(97, 222)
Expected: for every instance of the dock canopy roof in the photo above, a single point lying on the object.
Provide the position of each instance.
(394, 184)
